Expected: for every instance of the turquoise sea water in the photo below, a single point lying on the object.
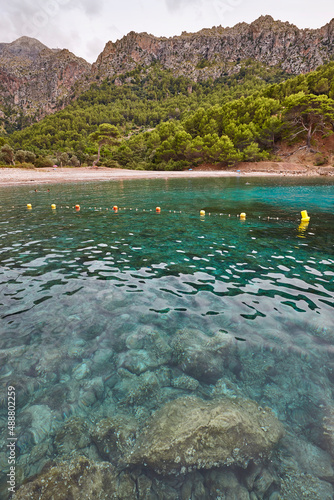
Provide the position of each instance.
(83, 291)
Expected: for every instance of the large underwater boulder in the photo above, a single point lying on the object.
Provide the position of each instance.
(189, 433)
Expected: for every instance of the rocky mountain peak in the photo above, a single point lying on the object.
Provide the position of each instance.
(266, 21)
(35, 79)
(24, 47)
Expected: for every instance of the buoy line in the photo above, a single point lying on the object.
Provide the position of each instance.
(305, 218)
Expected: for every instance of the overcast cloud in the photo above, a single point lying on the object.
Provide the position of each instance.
(85, 26)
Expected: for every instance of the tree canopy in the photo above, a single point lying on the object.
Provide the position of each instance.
(105, 134)
(308, 113)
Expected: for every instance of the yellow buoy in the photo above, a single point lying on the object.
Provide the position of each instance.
(305, 217)
(53, 206)
(202, 212)
(29, 206)
(242, 215)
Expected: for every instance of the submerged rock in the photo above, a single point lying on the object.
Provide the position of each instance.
(224, 484)
(70, 480)
(296, 486)
(84, 478)
(185, 382)
(145, 388)
(298, 463)
(81, 371)
(190, 433)
(328, 430)
(310, 458)
(200, 356)
(193, 487)
(114, 435)
(147, 350)
(42, 421)
(73, 435)
(133, 390)
(91, 392)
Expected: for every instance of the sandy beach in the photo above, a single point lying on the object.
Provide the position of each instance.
(16, 176)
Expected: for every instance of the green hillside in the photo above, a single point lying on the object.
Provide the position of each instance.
(242, 129)
(170, 123)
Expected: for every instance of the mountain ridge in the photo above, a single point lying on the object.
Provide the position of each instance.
(36, 80)
(218, 49)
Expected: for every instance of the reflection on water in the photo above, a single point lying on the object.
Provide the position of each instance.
(107, 318)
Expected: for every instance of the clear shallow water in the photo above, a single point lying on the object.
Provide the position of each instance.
(81, 289)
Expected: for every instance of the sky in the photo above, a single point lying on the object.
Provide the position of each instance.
(85, 26)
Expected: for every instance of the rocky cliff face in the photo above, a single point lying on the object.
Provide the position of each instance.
(35, 79)
(217, 51)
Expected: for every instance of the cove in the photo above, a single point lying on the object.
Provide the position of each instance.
(169, 355)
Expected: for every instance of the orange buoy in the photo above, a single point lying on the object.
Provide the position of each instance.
(77, 207)
(115, 208)
(158, 210)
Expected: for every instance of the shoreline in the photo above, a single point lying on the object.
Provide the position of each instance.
(16, 176)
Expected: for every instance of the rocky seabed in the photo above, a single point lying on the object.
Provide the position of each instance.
(143, 415)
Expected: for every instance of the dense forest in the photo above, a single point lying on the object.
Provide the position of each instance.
(150, 119)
